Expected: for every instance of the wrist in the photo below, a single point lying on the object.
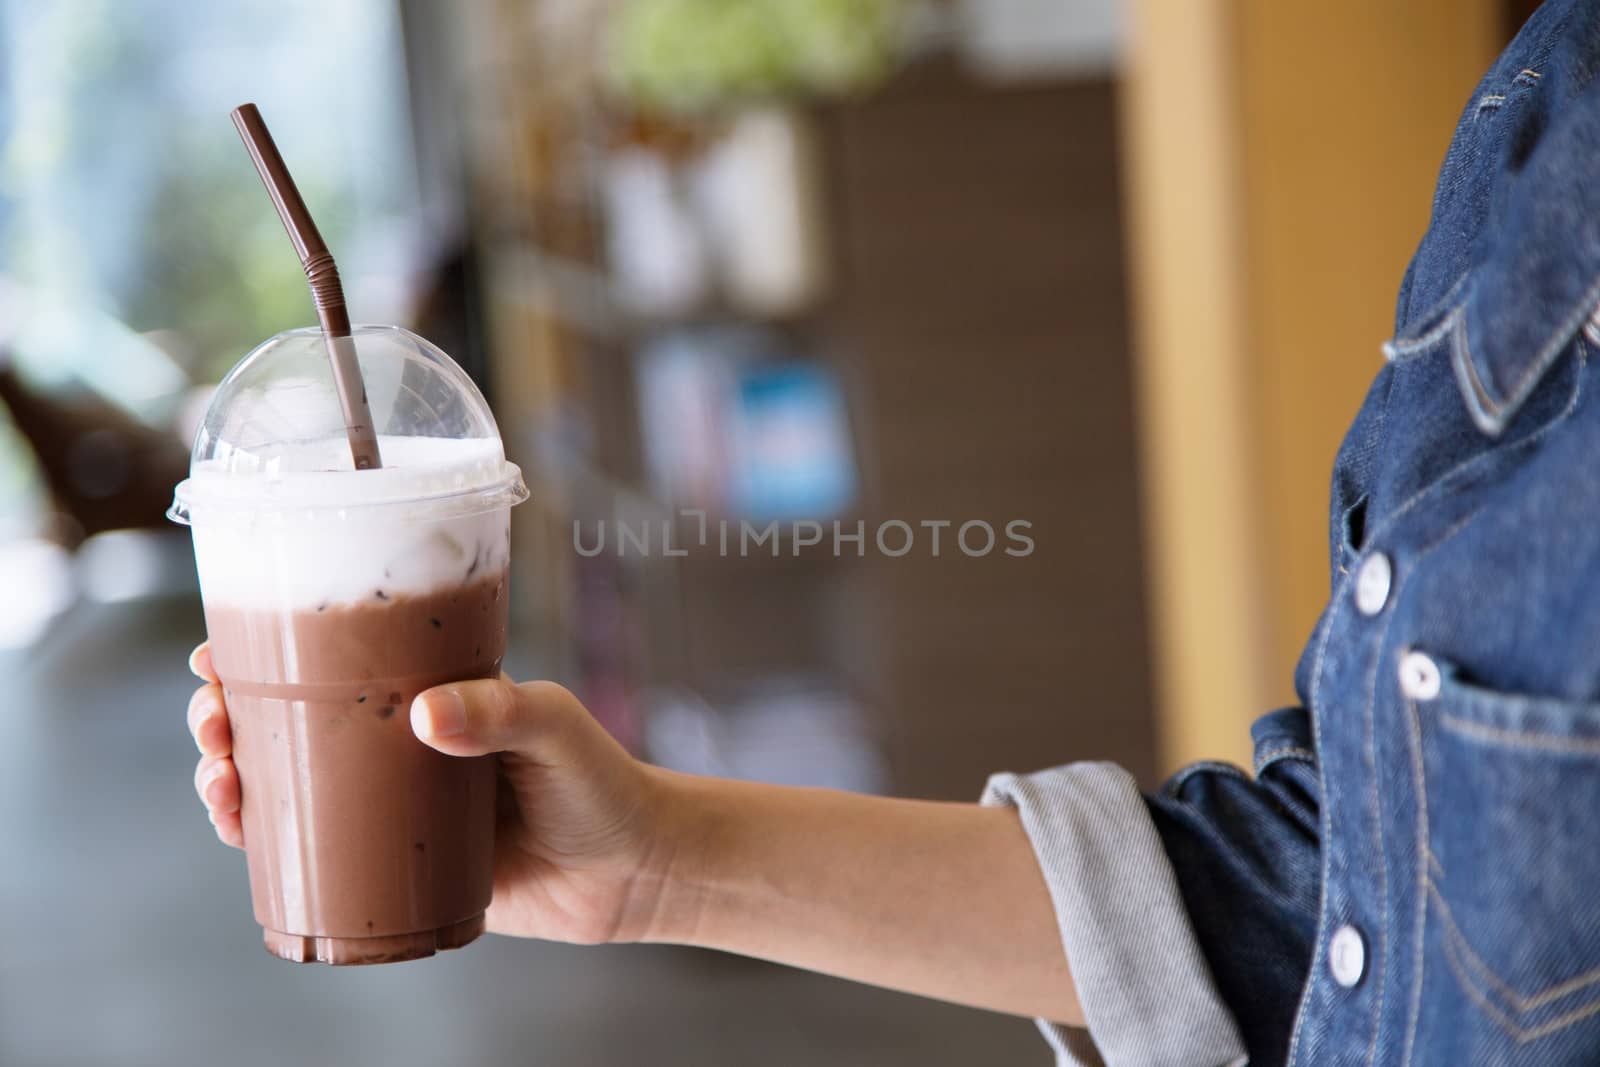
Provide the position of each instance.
(671, 899)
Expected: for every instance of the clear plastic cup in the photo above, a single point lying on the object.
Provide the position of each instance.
(332, 598)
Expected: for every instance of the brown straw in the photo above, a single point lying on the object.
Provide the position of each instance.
(326, 291)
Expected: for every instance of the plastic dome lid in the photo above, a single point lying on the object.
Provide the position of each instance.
(273, 437)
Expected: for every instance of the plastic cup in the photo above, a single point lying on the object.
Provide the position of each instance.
(333, 597)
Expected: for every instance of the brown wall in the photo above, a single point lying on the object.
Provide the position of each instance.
(979, 284)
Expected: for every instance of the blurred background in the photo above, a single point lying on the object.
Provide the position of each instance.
(1118, 269)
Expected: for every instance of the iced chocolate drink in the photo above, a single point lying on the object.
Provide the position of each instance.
(363, 844)
(332, 598)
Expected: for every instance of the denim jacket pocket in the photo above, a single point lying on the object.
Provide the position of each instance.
(1511, 785)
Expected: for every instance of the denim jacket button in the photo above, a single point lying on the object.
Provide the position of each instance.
(1347, 956)
(1419, 676)
(1372, 584)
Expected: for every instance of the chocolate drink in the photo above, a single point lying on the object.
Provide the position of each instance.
(334, 594)
(364, 845)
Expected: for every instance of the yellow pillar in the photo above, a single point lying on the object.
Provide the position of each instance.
(1280, 158)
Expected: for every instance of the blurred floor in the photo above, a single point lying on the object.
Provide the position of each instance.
(126, 936)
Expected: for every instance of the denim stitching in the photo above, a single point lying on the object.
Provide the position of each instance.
(1460, 470)
(1517, 1033)
(1470, 988)
(1496, 735)
(1324, 817)
(1179, 780)
(1291, 751)
(1371, 754)
(1449, 303)
(1422, 824)
(1496, 1016)
(1419, 788)
(1424, 850)
(1514, 1030)
(1489, 413)
(1558, 340)
(1372, 780)
(1485, 409)
(1324, 821)
(1398, 351)
(1524, 1003)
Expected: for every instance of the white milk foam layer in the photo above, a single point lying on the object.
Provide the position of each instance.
(290, 537)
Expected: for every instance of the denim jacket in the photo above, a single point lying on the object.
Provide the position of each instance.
(1408, 876)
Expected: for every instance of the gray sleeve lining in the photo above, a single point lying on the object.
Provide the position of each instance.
(1146, 991)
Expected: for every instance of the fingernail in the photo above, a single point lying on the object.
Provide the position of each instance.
(439, 713)
(192, 668)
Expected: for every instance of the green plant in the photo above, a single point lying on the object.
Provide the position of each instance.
(696, 55)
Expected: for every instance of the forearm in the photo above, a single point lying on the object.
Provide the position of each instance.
(942, 900)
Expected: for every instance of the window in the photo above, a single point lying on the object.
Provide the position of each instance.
(140, 253)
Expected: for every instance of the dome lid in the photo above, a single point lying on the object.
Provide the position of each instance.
(273, 437)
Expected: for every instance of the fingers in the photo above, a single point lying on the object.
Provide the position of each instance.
(218, 785)
(217, 782)
(207, 717)
(200, 662)
(215, 778)
(230, 830)
(208, 721)
(538, 719)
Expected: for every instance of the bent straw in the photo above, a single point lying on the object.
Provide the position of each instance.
(326, 292)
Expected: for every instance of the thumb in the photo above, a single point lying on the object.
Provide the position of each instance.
(493, 715)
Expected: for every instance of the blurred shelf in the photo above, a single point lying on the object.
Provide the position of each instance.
(580, 294)
(585, 297)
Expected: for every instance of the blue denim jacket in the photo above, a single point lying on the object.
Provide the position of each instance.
(1410, 876)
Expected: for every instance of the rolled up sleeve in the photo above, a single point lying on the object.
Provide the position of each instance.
(1146, 991)
(1187, 916)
